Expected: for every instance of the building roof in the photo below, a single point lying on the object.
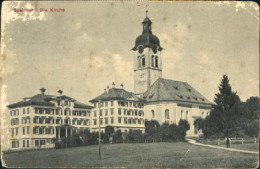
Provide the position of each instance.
(147, 38)
(170, 90)
(116, 94)
(45, 100)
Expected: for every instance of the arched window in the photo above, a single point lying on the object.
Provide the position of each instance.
(152, 60)
(153, 114)
(139, 61)
(156, 61)
(166, 115)
(143, 61)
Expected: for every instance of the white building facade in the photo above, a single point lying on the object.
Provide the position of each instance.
(37, 121)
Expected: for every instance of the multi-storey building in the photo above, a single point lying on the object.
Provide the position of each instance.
(118, 108)
(37, 120)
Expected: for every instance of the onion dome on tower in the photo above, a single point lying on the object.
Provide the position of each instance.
(147, 39)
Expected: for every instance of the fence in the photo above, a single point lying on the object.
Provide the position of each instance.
(222, 141)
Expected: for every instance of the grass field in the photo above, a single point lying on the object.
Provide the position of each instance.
(165, 155)
(250, 147)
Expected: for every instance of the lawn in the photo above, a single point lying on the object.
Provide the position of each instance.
(159, 155)
(250, 147)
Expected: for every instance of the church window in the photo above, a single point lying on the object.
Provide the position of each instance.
(152, 113)
(143, 61)
(139, 61)
(156, 61)
(152, 60)
(166, 114)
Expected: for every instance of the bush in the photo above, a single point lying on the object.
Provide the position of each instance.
(185, 124)
(252, 129)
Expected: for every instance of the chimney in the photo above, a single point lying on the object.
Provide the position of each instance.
(122, 85)
(42, 90)
(113, 84)
(60, 92)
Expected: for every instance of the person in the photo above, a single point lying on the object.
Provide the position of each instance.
(228, 142)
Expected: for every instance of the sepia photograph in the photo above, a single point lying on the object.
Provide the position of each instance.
(129, 84)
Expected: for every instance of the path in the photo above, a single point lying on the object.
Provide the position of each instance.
(223, 148)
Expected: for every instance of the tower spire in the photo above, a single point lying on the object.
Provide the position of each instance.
(146, 11)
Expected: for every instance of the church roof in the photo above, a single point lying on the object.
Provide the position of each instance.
(45, 100)
(170, 90)
(116, 94)
(147, 38)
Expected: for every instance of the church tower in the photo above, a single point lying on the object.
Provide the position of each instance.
(147, 62)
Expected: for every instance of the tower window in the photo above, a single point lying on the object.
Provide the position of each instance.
(152, 60)
(139, 61)
(143, 61)
(156, 61)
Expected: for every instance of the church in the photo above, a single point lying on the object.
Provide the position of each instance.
(154, 98)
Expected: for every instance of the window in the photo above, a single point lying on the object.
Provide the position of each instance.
(28, 130)
(28, 144)
(112, 111)
(40, 131)
(101, 121)
(95, 105)
(95, 122)
(112, 120)
(139, 61)
(23, 143)
(16, 130)
(106, 112)
(106, 104)
(156, 61)
(106, 120)
(125, 120)
(13, 144)
(23, 110)
(23, 130)
(143, 61)
(12, 131)
(119, 119)
(152, 113)
(36, 142)
(119, 111)
(100, 112)
(112, 103)
(152, 60)
(95, 113)
(181, 113)
(187, 115)
(42, 142)
(167, 115)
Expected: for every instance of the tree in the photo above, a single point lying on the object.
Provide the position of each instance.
(225, 101)
(151, 126)
(185, 124)
(199, 122)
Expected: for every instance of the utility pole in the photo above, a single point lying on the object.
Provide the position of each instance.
(99, 133)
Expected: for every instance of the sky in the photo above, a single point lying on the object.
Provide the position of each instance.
(88, 47)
